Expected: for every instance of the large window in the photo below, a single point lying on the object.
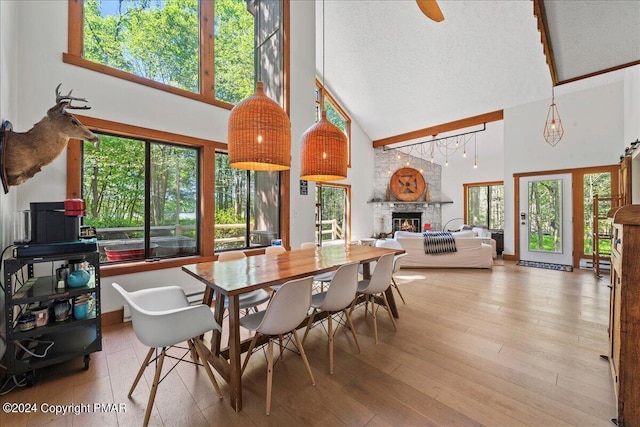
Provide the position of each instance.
(335, 114)
(196, 48)
(485, 205)
(246, 206)
(142, 198)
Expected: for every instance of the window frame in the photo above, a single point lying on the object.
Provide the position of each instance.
(248, 202)
(323, 93)
(466, 199)
(206, 93)
(206, 184)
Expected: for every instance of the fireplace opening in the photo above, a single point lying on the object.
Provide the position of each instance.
(406, 221)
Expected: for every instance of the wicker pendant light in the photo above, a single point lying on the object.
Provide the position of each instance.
(324, 149)
(259, 134)
(323, 154)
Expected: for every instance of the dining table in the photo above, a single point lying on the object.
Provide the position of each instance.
(230, 279)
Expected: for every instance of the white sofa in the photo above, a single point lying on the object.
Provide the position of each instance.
(472, 252)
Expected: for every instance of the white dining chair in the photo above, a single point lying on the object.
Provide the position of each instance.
(322, 279)
(274, 250)
(287, 309)
(335, 302)
(162, 318)
(308, 245)
(250, 299)
(377, 285)
(397, 261)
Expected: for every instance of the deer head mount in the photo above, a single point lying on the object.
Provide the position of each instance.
(25, 153)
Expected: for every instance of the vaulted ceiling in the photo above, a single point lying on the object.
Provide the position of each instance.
(396, 71)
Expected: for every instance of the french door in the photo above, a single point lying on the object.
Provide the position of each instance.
(545, 219)
(332, 213)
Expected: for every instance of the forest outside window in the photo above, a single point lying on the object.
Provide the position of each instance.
(142, 197)
(246, 206)
(485, 205)
(168, 44)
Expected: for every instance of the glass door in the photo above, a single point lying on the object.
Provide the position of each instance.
(332, 203)
(546, 219)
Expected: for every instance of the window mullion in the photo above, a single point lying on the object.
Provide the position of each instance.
(147, 199)
(207, 49)
(248, 211)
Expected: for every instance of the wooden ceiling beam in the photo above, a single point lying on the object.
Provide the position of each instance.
(541, 14)
(493, 116)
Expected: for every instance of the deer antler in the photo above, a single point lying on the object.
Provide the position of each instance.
(70, 98)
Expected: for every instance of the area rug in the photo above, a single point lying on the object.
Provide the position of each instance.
(546, 265)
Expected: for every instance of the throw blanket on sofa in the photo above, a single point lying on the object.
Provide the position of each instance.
(439, 242)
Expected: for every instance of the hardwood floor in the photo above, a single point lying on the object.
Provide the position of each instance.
(512, 346)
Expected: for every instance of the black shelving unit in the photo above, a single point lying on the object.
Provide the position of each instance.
(71, 338)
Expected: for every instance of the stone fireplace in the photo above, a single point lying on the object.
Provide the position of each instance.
(387, 209)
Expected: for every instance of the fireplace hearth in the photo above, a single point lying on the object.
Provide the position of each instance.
(406, 221)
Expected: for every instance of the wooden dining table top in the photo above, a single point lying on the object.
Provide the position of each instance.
(260, 271)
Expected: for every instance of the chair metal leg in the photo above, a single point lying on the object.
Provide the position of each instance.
(331, 332)
(269, 373)
(249, 352)
(386, 304)
(353, 329)
(154, 387)
(309, 324)
(304, 356)
(197, 345)
(141, 370)
(395, 285)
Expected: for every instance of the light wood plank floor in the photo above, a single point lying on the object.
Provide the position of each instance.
(514, 346)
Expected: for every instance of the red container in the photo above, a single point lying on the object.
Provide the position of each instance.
(127, 251)
(74, 207)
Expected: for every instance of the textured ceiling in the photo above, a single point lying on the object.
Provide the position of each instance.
(396, 71)
(590, 36)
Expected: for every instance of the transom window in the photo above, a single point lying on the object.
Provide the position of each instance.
(195, 48)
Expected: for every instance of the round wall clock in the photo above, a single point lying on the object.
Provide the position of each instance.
(407, 184)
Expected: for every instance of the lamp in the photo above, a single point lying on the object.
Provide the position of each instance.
(323, 151)
(259, 130)
(553, 129)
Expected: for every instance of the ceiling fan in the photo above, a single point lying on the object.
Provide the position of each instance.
(431, 9)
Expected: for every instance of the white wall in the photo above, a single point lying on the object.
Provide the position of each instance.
(594, 135)
(632, 125)
(303, 88)
(632, 104)
(8, 111)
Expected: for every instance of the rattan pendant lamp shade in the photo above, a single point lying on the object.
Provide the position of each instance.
(259, 134)
(324, 149)
(323, 154)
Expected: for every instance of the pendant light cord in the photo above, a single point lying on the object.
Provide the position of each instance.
(256, 48)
